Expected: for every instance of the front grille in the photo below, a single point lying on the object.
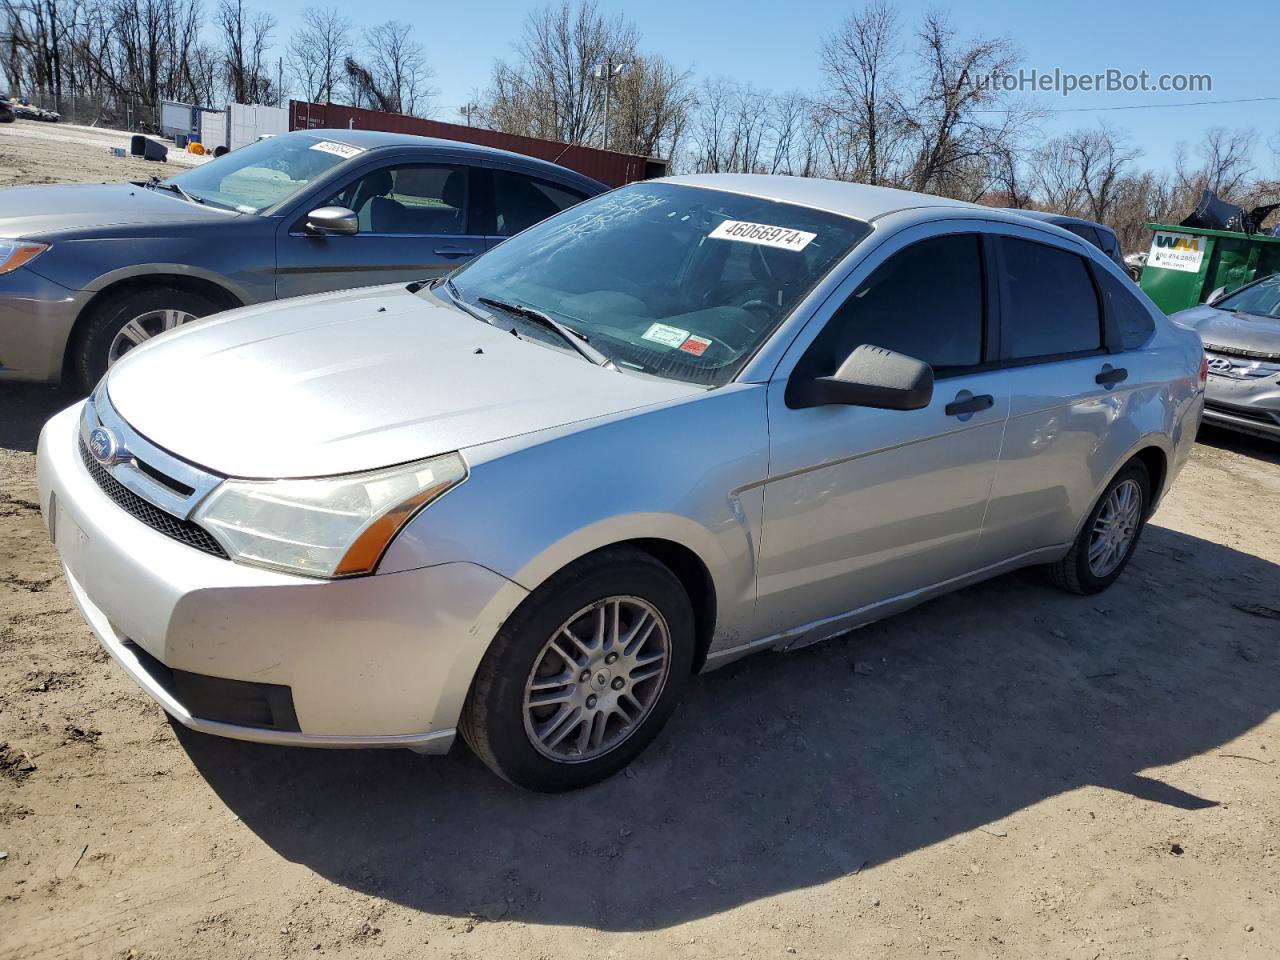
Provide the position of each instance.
(184, 531)
(1245, 413)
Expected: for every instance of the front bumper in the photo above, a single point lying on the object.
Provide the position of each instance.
(376, 661)
(1247, 406)
(36, 319)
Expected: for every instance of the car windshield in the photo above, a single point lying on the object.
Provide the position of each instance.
(1260, 300)
(263, 174)
(670, 280)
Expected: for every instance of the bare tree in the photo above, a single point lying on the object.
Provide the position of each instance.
(318, 51)
(652, 105)
(246, 39)
(863, 105)
(550, 90)
(394, 74)
(1081, 173)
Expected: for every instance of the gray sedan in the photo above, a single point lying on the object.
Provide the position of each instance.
(1241, 334)
(89, 271)
(679, 423)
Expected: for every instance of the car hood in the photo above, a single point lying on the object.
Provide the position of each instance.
(340, 383)
(1238, 332)
(38, 212)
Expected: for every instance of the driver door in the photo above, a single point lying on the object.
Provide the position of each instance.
(414, 225)
(865, 505)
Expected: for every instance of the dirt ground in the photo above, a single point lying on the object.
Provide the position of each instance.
(1006, 772)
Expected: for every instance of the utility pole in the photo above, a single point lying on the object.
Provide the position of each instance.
(607, 71)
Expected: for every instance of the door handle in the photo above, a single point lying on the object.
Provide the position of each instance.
(1110, 375)
(454, 252)
(957, 408)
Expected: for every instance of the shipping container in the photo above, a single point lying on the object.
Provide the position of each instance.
(607, 166)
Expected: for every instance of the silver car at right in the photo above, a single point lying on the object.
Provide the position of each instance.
(1241, 334)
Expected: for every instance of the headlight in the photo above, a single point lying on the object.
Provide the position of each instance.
(329, 527)
(14, 253)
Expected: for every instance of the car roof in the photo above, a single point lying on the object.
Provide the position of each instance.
(1058, 218)
(377, 139)
(858, 200)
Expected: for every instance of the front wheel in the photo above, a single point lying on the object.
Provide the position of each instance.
(583, 676)
(128, 320)
(1110, 534)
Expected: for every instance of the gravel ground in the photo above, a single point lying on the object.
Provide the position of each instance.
(1005, 772)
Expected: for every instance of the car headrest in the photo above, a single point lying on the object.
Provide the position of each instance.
(455, 189)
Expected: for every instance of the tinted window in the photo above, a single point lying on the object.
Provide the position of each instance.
(521, 201)
(925, 301)
(409, 199)
(1050, 304)
(1085, 232)
(1125, 310)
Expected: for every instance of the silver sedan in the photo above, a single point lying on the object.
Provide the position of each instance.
(1241, 334)
(682, 422)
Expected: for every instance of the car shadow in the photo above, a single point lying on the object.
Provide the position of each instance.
(782, 772)
(1244, 444)
(24, 409)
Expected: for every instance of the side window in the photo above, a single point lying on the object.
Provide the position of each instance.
(1084, 232)
(926, 301)
(1050, 304)
(409, 199)
(1125, 310)
(520, 201)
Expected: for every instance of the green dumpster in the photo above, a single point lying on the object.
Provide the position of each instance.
(1186, 264)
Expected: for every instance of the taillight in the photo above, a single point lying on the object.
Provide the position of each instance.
(1204, 369)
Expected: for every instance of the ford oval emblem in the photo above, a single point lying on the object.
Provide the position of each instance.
(102, 444)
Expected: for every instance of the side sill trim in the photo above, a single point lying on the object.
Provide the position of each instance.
(829, 627)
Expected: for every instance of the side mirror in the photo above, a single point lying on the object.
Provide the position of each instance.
(870, 377)
(1215, 295)
(333, 220)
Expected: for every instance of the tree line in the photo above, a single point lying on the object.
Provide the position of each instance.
(898, 104)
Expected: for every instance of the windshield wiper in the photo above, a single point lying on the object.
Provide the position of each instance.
(574, 338)
(456, 297)
(158, 184)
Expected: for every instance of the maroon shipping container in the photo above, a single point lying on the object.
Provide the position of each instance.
(607, 166)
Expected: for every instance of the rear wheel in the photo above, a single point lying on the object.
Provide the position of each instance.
(128, 320)
(1107, 540)
(583, 676)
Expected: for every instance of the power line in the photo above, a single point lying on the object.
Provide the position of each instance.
(1148, 106)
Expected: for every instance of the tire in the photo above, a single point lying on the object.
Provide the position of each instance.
(495, 723)
(1074, 572)
(91, 353)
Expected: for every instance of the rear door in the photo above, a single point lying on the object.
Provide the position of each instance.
(415, 223)
(1067, 394)
(865, 505)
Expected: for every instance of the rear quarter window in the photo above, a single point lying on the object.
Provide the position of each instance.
(1128, 314)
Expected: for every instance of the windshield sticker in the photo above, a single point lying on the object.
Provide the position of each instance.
(665, 335)
(346, 151)
(784, 238)
(696, 345)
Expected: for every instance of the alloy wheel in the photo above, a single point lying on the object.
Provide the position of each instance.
(597, 679)
(1115, 528)
(142, 328)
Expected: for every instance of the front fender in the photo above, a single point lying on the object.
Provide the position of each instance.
(691, 472)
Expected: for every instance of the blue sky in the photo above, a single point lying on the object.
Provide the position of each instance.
(774, 45)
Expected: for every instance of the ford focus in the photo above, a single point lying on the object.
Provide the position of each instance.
(673, 425)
